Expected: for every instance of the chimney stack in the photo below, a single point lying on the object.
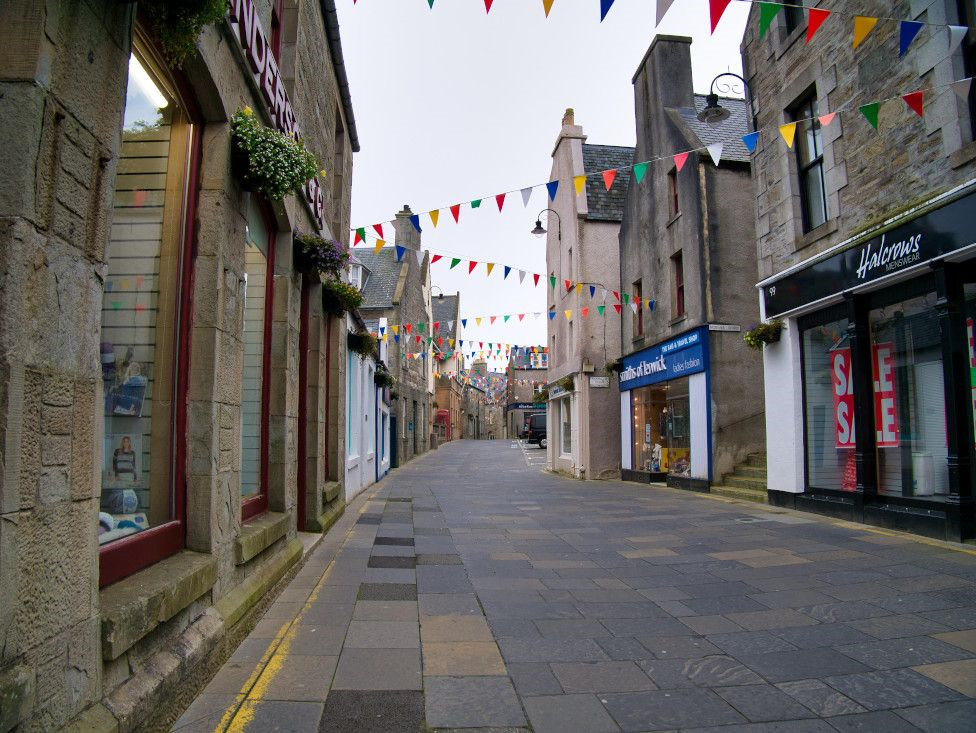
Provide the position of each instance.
(406, 234)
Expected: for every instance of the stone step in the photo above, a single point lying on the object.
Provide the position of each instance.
(330, 515)
(756, 459)
(747, 471)
(330, 492)
(742, 482)
(733, 492)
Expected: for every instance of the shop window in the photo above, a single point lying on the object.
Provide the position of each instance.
(909, 399)
(793, 15)
(828, 395)
(566, 426)
(677, 285)
(809, 161)
(144, 351)
(638, 296)
(258, 290)
(674, 207)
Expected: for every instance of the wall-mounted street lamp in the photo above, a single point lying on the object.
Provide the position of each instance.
(440, 296)
(540, 231)
(714, 112)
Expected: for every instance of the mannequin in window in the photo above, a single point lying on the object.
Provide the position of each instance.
(124, 460)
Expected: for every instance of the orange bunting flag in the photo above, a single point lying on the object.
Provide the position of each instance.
(788, 131)
(500, 200)
(815, 19)
(471, 265)
(547, 6)
(716, 8)
(679, 160)
(914, 102)
(826, 119)
(456, 211)
(608, 177)
(579, 182)
(379, 244)
(434, 216)
(569, 315)
(490, 266)
(862, 26)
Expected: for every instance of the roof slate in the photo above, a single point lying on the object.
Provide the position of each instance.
(384, 271)
(444, 311)
(729, 132)
(606, 205)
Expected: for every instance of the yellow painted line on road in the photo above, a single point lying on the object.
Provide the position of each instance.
(253, 691)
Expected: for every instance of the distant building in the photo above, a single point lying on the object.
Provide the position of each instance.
(448, 367)
(526, 379)
(691, 400)
(582, 251)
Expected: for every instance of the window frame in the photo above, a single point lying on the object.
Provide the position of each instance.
(793, 16)
(277, 11)
(678, 284)
(803, 109)
(674, 204)
(128, 555)
(256, 505)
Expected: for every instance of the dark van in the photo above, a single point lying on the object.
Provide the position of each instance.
(537, 429)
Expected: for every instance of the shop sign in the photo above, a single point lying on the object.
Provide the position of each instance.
(524, 406)
(934, 234)
(885, 410)
(678, 357)
(257, 51)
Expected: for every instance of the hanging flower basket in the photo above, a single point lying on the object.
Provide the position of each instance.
(178, 23)
(383, 379)
(362, 343)
(566, 383)
(339, 297)
(313, 255)
(764, 333)
(266, 160)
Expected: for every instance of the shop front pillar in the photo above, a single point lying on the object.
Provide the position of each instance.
(864, 448)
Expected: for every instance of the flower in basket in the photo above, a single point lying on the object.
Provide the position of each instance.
(362, 343)
(315, 255)
(764, 333)
(178, 23)
(266, 160)
(339, 297)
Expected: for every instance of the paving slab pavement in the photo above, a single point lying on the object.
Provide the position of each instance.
(469, 590)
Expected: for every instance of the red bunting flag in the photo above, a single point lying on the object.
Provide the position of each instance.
(435, 258)
(379, 230)
(521, 316)
(407, 327)
(914, 102)
(568, 284)
(716, 8)
(608, 177)
(815, 19)
(616, 294)
(679, 160)
(617, 307)
(500, 200)
(535, 276)
(585, 312)
(826, 119)
(471, 265)
(358, 238)
(418, 338)
(456, 212)
(488, 5)
(492, 321)
(437, 325)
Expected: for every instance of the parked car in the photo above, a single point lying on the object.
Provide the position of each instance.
(537, 430)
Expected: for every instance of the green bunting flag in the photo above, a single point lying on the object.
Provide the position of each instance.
(476, 203)
(454, 263)
(639, 171)
(601, 308)
(767, 11)
(870, 112)
(552, 281)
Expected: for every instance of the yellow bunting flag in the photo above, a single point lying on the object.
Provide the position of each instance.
(379, 244)
(862, 26)
(569, 315)
(579, 182)
(433, 217)
(396, 329)
(579, 288)
(547, 5)
(788, 131)
(490, 266)
(478, 321)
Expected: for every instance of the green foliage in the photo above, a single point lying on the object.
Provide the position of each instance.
(383, 379)
(178, 23)
(566, 383)
(315, 255)
(764, 333)
(362, 343)
(267, 160)
(339, 297)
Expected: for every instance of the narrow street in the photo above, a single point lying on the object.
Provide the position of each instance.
(470, 589)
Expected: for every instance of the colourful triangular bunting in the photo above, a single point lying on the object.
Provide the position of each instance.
(640, 170)
(863, 24)
(767, 11)
(815, 19)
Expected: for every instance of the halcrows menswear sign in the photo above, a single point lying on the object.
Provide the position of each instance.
(934, 234)
(679, 357)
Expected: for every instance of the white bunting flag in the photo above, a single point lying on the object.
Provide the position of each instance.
(662, 8)
(633, 307)
(961, 88)
(521, 276)
(716, 152)
(956, 34)
(527, 192)
(603, 294)
(450, 325)
(420, 257)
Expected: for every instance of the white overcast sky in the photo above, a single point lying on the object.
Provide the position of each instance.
(452, 104)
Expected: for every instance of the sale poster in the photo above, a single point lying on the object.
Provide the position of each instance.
(843, 389)
(885, 412)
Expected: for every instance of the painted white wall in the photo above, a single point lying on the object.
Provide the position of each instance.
(698, 407)
(783, 371)
(360, 429)
(626, 430)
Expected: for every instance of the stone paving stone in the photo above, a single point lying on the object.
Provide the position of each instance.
(906, 652)
(397, 563)
(378, 669)
(439, 560)
(803, 664)
(601, 677)
(389, 575)
(387, 592)
(396, 541)
(514, 628)
(284, 717)
(820, 698)
(533, 678)
(959, 619)
(710, 624)
(669, 709)
(678, 647)
(569, 713)
(883, 720)
(962, 639)
(622, 649)
(959, 676)
(812, 637)
(531, 611)
(762, 703)
(334, 593)
(469, 702)
(383, 635)
(298, 678)
(461, 659)
(385, 611)
(571, 628)
(390, 529)
(432, 532)
(369, 519)
(916, 602)
(392, 551)
(444, 604)
(750, 642)
(953, 717)
(442, 579)
(328, 614)
(455, 628)
(780, 726)
(372, 712)
(204, 713)
(551, 650)
(713, 671)
(722, 606)
(314, 640)
(636, 627)
(251, 650)
(772, 619)
(888, 689)
(894, 627)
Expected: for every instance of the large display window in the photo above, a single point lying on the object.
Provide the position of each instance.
(144, 341)
(661, 430)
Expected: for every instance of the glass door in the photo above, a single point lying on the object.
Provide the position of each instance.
(678, 425)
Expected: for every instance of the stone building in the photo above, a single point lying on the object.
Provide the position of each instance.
(582, 251)
(527, 368)
(473, 412)
(691, 399)
(170, 391)
(448, 365)
(865, 253)
(399, 291)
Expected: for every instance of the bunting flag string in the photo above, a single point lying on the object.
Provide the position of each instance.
(750, 140)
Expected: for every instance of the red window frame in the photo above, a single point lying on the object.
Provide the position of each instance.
(673, 203)
(131, 554)
(276, 13)
(677, 265)
(254, 506)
